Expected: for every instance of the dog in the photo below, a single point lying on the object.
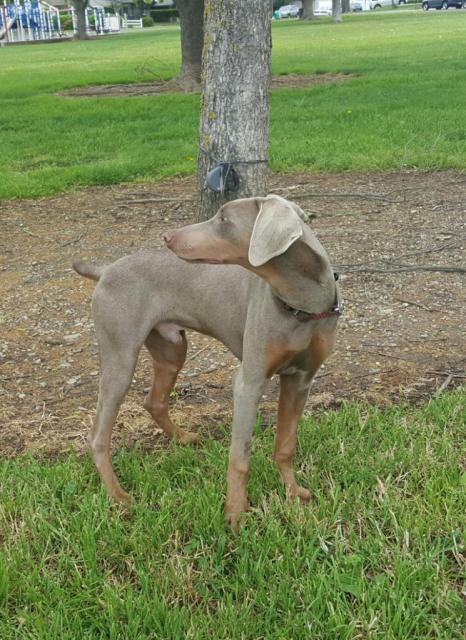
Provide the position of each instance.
(254, 277)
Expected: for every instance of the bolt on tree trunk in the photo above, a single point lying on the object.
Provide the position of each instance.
(192, 41)
(234, 124)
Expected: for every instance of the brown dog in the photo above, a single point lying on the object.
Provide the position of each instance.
(271, 298)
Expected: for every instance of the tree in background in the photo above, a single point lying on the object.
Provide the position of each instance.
(80, 7)
(336, 10)
(308, 9)
(191, 14)
(234, 126)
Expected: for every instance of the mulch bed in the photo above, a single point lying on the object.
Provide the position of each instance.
(402, 336)
(290, 81)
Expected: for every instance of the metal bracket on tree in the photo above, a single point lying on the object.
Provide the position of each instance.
(223, 177)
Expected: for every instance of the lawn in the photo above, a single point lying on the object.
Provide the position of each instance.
(403, 110)
(378, 556)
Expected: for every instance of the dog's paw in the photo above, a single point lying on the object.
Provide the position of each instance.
(304, 495)
(186, 437)
(122, 498)
(234, 512)
(233, 520)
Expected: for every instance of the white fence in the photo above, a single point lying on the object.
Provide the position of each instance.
(132, 24)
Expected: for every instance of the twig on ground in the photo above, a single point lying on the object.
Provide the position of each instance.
(448, 374)
(384, 197)
(17, 377)
(379, 197)
(323, 375)
(194, 355)
(399, 268)
(404, 190)
(422, 187)
(388, 355)
(444, 385)
(158, 199)
(371, 373)
(74, 240)
(394, 261)
(417, 304)
(448, 245)
(195, 374)
(29, 233)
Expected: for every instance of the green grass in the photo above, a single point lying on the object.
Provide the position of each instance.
(378, 557)
(405, 108)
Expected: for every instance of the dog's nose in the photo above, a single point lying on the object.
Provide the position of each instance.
(168, 237)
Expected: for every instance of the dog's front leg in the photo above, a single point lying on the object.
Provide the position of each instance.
(294, 390)
(248, 390)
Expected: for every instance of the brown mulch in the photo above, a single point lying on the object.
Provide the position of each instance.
(402, 336)
(290, 81)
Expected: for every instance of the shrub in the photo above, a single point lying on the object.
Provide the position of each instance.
(164, 15)
(147, 21)
(66, 23)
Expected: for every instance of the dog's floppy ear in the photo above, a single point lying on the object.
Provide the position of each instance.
(276, 227)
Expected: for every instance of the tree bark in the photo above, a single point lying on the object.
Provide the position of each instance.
(345, 6)
(80, 7)
(234, 123)
(308, 9)
(336, 10)
(192, 41)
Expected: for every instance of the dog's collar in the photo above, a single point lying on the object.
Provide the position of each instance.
(303, 316)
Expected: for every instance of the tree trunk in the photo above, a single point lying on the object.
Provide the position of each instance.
(80, 7)
(192, 41)
(234, 123)
(336, 10)
(308, 9)
(345, 6)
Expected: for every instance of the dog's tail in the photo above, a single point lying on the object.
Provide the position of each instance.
(88, 269)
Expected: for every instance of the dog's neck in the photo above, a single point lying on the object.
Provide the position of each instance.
(301, 277)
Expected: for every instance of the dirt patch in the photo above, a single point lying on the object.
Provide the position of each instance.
(291, 81)
(402, 336)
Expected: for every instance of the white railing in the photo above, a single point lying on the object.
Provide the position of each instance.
(131, 24)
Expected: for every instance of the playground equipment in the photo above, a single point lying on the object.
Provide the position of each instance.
(97, 21)
(26, 20)
(29, 20)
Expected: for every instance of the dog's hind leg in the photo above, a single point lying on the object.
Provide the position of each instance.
(117, 367)
(168, 358)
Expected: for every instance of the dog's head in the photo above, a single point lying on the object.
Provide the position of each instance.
(249, 232)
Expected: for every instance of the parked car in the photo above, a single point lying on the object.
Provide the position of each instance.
(323, 7)
(442, 4)
(288, 11)
(378, 4)
(356, 6)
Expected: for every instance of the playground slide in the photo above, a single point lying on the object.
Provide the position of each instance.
(9, 23)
